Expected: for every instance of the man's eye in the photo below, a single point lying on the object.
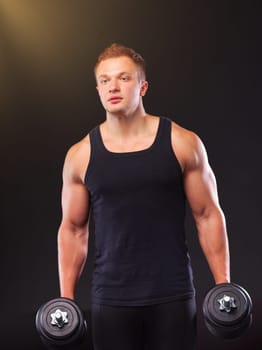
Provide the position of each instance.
(103, 81)
(124, 78)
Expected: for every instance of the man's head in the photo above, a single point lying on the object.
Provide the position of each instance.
(117, 50)
(120, 77)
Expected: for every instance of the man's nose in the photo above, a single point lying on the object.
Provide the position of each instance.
(114, 86)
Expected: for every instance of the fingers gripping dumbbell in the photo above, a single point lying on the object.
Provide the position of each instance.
(227, 310)
(60, 322)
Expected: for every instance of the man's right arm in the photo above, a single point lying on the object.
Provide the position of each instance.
(73, 231)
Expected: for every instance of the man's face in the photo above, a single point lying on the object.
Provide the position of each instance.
(119, 85)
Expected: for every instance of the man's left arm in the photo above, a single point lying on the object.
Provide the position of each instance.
(201, 191)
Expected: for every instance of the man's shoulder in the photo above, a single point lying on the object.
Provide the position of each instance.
(187, 145)
(77, 158)
(184, 136)
(79, 148)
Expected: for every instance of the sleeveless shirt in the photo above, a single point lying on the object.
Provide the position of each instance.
(138, 208)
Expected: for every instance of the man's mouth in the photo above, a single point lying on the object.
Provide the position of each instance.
(115, 99)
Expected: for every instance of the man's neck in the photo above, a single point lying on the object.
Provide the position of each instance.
(125, 125)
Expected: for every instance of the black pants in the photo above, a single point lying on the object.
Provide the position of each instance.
(168, 326)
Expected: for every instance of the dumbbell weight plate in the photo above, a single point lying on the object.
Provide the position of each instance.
(227, 324)
(212, 306)
(69, 332)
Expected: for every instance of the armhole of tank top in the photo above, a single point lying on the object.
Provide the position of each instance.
(91, 158)
(173, 151)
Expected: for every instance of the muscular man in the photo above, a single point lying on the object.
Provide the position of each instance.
(136, 171)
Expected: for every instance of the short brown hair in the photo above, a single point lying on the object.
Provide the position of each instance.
(117, 50)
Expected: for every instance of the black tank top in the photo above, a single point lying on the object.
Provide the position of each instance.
(138, 208)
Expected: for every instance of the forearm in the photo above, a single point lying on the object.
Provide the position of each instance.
(72, 254)
(214, 242)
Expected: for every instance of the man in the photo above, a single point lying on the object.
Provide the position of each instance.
(135, 171)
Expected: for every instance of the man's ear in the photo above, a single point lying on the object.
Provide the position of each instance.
(144, 88)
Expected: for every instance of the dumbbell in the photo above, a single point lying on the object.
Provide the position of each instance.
(60, 323)
(227, 310)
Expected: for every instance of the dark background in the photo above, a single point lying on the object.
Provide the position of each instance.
(204, 69)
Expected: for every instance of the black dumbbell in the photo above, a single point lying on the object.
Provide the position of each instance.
(60, 322)
(227, 310)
